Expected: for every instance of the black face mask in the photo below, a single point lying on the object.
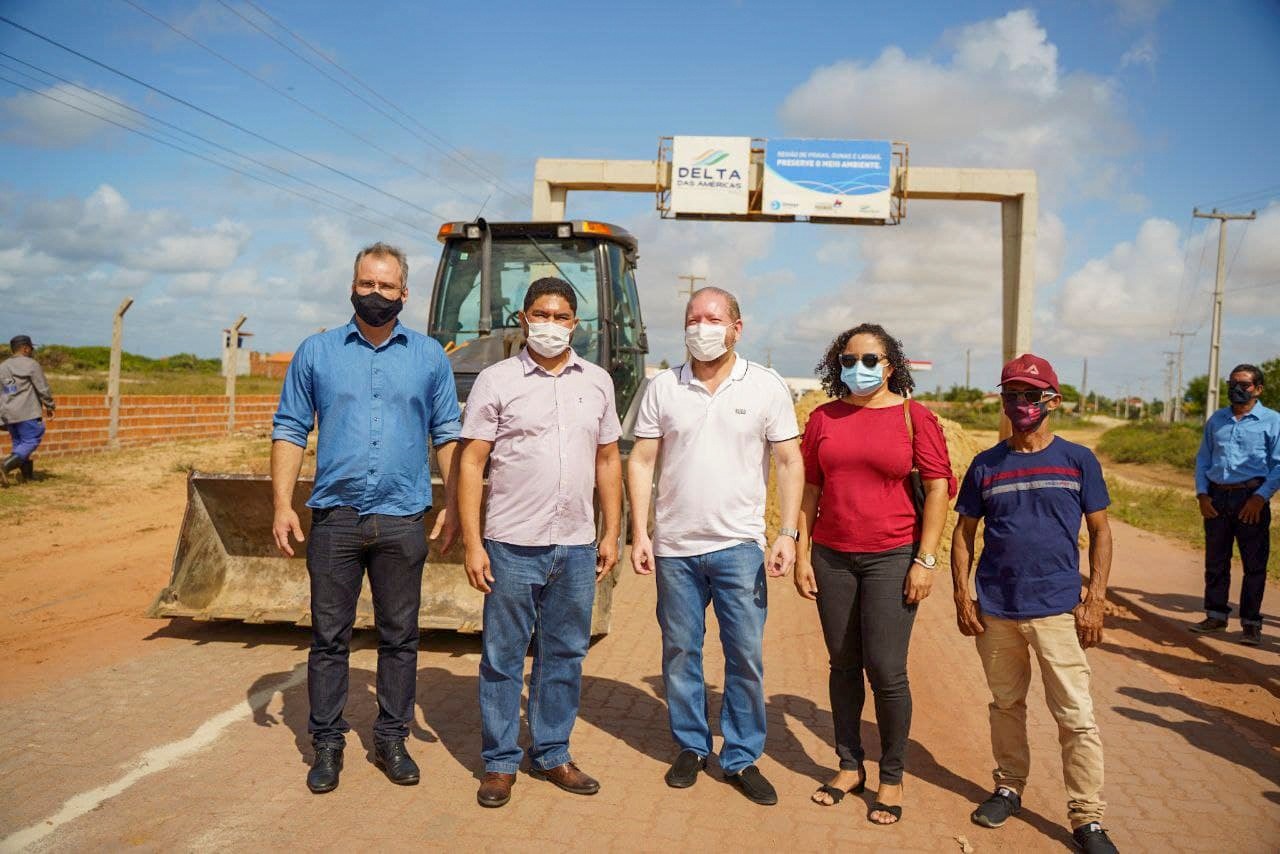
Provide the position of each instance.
(1238, 394)
(375, 309)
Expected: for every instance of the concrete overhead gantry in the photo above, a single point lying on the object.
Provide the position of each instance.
(1014, 189)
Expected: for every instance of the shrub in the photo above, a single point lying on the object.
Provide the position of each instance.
(1153, 442)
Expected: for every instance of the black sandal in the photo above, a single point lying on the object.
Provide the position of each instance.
(837, 795)
(895, 811)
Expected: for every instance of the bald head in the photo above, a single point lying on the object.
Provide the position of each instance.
(712, 302)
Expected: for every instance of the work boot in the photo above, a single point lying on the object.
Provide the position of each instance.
(495, 789)
(395, 762)
(323, 776)
(10, 463)
(28, 470)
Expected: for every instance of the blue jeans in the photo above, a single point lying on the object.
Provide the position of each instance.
(544, 593)
(732, 580)
(340, 546)
(26, 436)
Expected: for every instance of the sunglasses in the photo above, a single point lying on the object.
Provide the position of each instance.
(1246, 385)
(868, 360)
(1035, 395)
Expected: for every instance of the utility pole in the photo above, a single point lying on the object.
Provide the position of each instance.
(1084, 388)
(1177, 412)
(233, 365)
(1215, 343)
(1169, 359)
(691, 279)
(768, 357)
(113, 378)
(967, 361)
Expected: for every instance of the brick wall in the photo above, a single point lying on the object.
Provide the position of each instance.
(81, 421)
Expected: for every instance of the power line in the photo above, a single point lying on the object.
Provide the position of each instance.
(441, 146)
(199, 155)
(198, 137)
(1246, 196)
(222, 120)
(282, 93)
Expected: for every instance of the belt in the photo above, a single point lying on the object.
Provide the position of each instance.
(1231, 487)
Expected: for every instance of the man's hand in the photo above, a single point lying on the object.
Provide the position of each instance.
(1206, 507)
(1088, 616)
(642, 555)
(969, 617)
(1251, 512)
(479, 574)
(445, 529)
(285, 523)
(805, 581)
(782, 556)
(48, 414)
(919, 584)
(606, 556)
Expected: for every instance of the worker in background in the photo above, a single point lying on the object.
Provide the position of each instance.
(1032, 490)
(378, 390)
(545, 423)
(713, 422)
(1237, 472)
(25, 402)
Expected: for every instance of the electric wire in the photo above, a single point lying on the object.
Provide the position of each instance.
(198, 137)
(201, 156)
(442, 147)
(222, 120)
(282, 93)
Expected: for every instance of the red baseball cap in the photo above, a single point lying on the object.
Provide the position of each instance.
(1031, 369)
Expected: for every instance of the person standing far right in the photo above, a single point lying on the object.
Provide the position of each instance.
(1032, 490)
(1237, 472)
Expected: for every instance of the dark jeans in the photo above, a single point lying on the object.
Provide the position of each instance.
(341, 546)
(1220, 535)
(867, 626)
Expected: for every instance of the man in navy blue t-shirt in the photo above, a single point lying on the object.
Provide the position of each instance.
(1033, 489)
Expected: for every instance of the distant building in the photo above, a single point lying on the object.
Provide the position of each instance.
(273, 365)
(239, 353)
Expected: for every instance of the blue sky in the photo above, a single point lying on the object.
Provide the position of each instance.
(1131, 111)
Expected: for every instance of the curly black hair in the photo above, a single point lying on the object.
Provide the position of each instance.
(828, 370)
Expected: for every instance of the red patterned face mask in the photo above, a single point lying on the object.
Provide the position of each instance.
(1026, 417)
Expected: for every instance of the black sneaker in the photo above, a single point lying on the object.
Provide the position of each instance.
(323, 776)
(1092, 839)
(684, 771)
(1208, 624)
(1251, 635)
(754, 786)
(395, 762)
(995, 810)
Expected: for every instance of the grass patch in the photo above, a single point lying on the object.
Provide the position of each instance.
(1169, 512)
(1153, 442)
(162, 382)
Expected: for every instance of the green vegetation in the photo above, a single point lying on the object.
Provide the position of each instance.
(57, 358)
(83, 370)
(1198, 387)
(1153, 442)
(1169, 512)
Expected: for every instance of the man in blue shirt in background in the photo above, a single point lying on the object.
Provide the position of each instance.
(1237, 472)
(1032, 490)
(375, 390)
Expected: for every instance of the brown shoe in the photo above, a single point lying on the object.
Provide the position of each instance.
(570, 778)
(495, 789)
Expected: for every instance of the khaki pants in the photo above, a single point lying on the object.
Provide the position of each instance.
(1004, 649)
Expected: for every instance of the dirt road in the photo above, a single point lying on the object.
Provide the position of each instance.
(126, 732)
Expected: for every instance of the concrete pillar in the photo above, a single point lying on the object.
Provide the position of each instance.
(1018, 243)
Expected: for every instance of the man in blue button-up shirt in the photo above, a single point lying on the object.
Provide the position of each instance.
(375, 391)
(1237, 472)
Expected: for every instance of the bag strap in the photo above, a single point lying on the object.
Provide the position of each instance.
(906, 414)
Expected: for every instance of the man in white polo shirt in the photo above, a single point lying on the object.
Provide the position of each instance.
(715, 420)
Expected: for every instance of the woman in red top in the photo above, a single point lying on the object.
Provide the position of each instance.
(871, 560)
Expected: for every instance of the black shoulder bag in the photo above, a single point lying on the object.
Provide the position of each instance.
(915, 483)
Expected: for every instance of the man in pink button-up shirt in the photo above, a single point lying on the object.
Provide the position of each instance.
(546, 423)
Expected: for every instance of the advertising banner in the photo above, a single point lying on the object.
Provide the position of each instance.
(709, 174)
(846, 178)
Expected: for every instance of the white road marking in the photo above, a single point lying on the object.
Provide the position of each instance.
(151, 762)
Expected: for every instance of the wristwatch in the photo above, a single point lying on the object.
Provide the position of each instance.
(927, 561)
(790, 532)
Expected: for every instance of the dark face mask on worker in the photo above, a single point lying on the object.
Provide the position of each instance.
(1239, 394)
(375, 309)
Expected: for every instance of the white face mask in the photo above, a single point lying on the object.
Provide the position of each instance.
(706, 341)
(548, 340)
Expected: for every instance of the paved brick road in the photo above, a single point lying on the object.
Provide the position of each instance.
(201, 744)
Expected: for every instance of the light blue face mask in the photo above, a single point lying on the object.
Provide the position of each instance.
(862, 380)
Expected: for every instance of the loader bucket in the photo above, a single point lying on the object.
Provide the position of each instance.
(226, 566)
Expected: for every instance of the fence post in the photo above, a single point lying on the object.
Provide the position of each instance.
(113, 380)
(233, 365)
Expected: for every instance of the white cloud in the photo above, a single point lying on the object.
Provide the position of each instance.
(1143, 52)
(1139, 11)
(50, 119)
